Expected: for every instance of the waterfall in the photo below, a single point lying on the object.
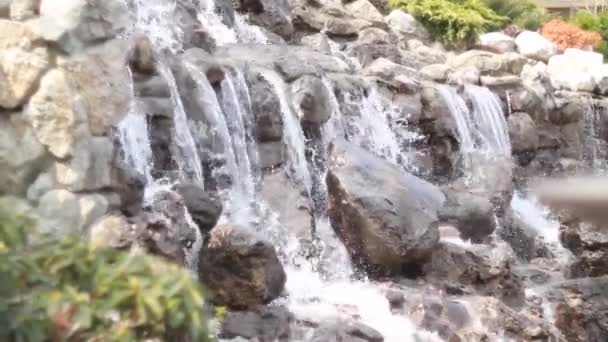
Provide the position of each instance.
(489, 121)
(459, 111)
(293, 135)
(188, 160)
(134, 138)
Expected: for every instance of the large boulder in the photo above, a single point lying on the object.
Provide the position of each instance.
(386, 217)
(566, 73)
(23, 61)
(405, 26)
(75, 24)
(489, 63)
(335, 20)
(497, 42)
(240, 270)
(534, 45)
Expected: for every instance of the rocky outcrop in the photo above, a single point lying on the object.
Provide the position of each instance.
(240, 270)
(534, 45)
(205, 208)
(471, 214)
(385, 217)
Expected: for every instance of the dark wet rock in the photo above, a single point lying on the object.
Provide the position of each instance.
(156, 106)
(484, 268)
(589, 244)
(239, 269)
(334, 329)
(519, 235)
(386, 217)
(265, 323)
(266, 109)
(312, 98)
(471, 214)
(524, 136)
(204, 207)
(141, 56)
(154, 86)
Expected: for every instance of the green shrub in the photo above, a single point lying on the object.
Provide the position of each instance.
(596, 23)
(525, 14)
(457, 23)
(63, 290)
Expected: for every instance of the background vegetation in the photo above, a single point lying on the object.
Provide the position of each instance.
(525, 14)
(596, 23)
(63, 290)
(566, 35)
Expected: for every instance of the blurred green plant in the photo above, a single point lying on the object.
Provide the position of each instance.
(525, 14)
(589, 21)
(64, 290)
(457, 23)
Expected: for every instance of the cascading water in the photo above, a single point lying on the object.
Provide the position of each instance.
(489, 121)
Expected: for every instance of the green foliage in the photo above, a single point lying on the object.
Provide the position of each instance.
(525, 14)
(457, 23)
(596, 23)
(63, 290)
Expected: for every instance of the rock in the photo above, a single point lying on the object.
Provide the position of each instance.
(436, 72)
(92, 207)
(24, 9)
(113, 231)
(205, 208)
(321, 43)
(293, 208)
(509, 81)
(22, 63)
(423, 54)
(141, 55)
(43, 184)
(566, 73)
(472, 215)
(266, 108)
(271, 154)
(489, 63)
(385, 217)
(100, 85)
(518, 234)
(485, 268)
(22, 157)
(365, 54)
(405, 26)
(523, 133)
(59, 213)
(271, 14)
(267, 323)
(397, 76)
(54, 121)
(497, 42)
(292, 62)
(364, 9)
(312, 98)
(75, 24)
(334, 20)
(373, 35)
(588, 243)
(255, 275)
(5, 6)
(579, 308)
(154, 86)
(533, 45)
(464, 75)
(89, 168)
(600, 78)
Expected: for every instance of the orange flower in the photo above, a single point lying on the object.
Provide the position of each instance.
(569, 36)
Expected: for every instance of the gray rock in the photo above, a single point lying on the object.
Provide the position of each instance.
(471, 214)
(373, 35)
(291, 61)
(385, 217)
(486, 268)
(523, 133)
(436, 72)
(141, 55)
(398, 76)
(497, 42)
(519, 235)
(255, 275)
(24, 9)
(335, 20)
(268, 323)
(534, 45)
(90, 167)
(22, 157)
(490, 63)
(154, 86)
(271, 154)
(464, 75)
(156, 106)
(75, 24)
(58, 213)
(271, 14)
(266, 109)
(205, 208)
(365, 54)
(312, 98)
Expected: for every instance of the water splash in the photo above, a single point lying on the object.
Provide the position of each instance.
(489, 121)
(155, 18)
